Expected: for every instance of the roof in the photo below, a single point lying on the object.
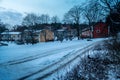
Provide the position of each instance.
(37, 31)
(98, 23)
(27, 30)
(86, 29)
(11, 33)
(60, 30)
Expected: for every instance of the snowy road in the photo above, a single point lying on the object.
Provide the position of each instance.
(45, 72)
(40, 62)
(42, 54)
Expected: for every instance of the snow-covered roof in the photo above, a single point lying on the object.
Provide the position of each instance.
(38, 30)
(32, 31)
(27, 30)
(86, 29)
(60, 30)
(11, 33)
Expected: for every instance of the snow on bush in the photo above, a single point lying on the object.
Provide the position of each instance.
(100, 63)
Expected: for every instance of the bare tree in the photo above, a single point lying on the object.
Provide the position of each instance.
(67, 19)
(74, 13)
(2, 28)
(44, 18)
(55, 19)
(112, 8)
(73, 16)
(55, 23)
(109, 5)
(93, 12)
(30, 21)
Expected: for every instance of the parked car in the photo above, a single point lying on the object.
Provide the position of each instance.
(3, 44)
(89, 39)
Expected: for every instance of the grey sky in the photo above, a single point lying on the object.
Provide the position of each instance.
(51, 7)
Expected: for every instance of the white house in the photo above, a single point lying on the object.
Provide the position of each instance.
(11, 36)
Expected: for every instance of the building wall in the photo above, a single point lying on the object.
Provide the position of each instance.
(46, 35)
(15, 37)
(100, 30)
(5, 37)
(11, 37)
(86, 34)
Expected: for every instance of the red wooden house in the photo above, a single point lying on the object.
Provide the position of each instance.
(99, 30)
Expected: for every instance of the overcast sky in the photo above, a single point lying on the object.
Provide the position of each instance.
(51, 7)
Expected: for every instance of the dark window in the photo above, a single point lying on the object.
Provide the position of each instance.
(98, 31)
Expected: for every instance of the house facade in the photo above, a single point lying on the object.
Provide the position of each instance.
(99, 30)
(66, 33)
(46, 35)
(86, 33)
(60, 34)
(11, 36)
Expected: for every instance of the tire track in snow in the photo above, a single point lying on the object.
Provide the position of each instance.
(43, 69)
(47, 71)
(34, 57)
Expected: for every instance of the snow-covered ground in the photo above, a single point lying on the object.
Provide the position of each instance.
(17, 61)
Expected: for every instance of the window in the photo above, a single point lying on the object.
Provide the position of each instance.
(98, 31)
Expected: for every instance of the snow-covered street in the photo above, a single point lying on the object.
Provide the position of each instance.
(35, 61)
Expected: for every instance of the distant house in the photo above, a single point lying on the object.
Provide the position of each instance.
(11, 36)
(66, 33)
(46, 35)
(99, 30)
(28, 36)
(38, 35)
(86, 33)
(60, 34)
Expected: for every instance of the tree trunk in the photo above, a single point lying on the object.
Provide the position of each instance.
(78, 31)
